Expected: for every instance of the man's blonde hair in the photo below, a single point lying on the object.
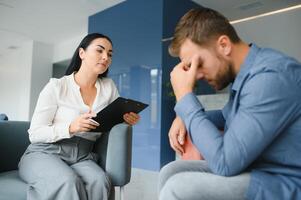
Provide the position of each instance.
(201, 26)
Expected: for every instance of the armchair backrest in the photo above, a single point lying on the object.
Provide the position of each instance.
(13, 142)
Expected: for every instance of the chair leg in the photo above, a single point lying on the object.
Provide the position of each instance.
(121, 193)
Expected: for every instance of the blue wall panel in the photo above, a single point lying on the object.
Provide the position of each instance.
(173, 10)
(141, 67)
(135, 28)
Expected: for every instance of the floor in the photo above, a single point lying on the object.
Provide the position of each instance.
(143, 186)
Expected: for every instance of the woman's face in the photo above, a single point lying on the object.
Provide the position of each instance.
(97, 56)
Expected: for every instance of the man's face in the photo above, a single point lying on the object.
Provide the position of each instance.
(213, 67)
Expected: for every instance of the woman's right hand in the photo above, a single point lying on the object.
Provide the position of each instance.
(82, 123)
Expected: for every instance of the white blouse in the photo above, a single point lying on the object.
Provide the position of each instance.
(60, 102)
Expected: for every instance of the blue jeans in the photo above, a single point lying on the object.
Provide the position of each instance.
(193, 180)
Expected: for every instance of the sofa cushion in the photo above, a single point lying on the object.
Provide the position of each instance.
(11, 186)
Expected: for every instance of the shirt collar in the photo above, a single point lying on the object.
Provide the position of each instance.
(245, 67)
(74, 84)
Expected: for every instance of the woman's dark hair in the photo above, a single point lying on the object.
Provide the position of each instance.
(76, 61)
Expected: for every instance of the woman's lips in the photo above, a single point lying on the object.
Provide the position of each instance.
(102, 64)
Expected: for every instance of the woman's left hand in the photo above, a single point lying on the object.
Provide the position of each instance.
(131, 118)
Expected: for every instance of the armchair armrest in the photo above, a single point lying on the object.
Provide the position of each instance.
(115, 152)
(13, 142)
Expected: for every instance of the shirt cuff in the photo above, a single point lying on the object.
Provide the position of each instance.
(188, 104)
(63, 131)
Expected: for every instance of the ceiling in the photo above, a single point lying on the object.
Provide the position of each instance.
(238, 9)
(48, 21)
(54, 21)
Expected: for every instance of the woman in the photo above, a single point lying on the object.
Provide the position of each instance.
(59, 164)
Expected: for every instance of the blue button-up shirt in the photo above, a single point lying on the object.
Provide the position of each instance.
(262, 126)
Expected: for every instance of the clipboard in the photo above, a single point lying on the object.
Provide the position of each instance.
(113, 113)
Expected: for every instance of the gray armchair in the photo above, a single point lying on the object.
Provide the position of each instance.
(3, 117)
(114, 149)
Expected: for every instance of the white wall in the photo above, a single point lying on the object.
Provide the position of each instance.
(65, 50)
(25, 71)
(41, 71)
(280, 31)
(15, 75)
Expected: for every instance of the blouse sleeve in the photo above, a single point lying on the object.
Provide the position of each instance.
(42, 128)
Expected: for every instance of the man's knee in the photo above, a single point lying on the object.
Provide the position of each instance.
(165, 173)
(172, 188)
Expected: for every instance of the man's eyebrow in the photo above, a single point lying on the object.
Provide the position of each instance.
(104, 48)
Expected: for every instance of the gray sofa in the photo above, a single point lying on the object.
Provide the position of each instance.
(114, 149)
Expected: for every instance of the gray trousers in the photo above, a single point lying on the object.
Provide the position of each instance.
(192, 180)
(65, 170)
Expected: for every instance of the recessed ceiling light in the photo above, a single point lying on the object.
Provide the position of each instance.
(249, 6)
(266, 14)
(6, 5)
(12, 47)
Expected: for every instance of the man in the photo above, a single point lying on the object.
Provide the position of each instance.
(258, 154)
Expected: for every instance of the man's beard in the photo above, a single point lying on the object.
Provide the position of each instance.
(224, 78)
(226, 75)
